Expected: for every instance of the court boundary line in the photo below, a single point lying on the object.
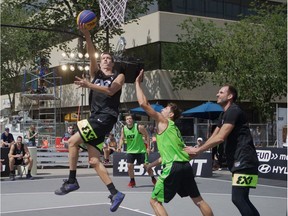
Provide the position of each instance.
(75, 206)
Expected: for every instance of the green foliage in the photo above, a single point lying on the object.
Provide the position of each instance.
(62, 15)
(194, 55)
(20, 46)
(250, 54)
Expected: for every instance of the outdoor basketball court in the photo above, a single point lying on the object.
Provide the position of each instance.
(36, 197)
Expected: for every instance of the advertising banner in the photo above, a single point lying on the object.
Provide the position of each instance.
(272, 163)
(202, 165)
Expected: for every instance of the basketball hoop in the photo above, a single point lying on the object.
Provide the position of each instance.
(112, 12)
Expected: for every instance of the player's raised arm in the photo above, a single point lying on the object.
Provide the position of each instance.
(142, 100)
(90, 50)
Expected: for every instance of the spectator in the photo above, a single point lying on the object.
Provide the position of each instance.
(199, 142)
(7, 138)
(1, 165)
(257, 137)
(31, 136)
(67, 135)
(109, 148)
(154, 147)
(19, 155)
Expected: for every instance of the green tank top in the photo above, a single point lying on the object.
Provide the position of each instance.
(31, 133)
(170, 145)
(134, 140)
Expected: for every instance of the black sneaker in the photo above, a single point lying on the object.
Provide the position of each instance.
(116, 200)
(12, 177)
(29, 176)
(67, 187)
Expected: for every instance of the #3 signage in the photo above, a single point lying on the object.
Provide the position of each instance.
(202, 165)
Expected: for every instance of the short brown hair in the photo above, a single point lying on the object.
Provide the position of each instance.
(233, 91)
(175, 109)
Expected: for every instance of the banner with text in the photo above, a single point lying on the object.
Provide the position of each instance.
(202, 165)
(272, 163)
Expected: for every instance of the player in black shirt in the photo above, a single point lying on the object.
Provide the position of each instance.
(104, 99)
(242, 160)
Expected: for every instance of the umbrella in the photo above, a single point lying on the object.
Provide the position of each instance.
(141, 111)
(207, 110)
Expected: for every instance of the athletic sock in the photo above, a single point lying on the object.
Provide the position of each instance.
(29, 172)
(72, 176)
(132, 180)
(112, 189)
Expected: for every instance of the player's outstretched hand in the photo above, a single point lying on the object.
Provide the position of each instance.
(140, 77)
(81, 82)
(192, 151)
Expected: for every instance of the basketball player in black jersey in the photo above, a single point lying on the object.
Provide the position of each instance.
(104, 100)
(242, 160)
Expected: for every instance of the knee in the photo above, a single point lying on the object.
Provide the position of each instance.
(11, 160)
(71, 144)
(94, 161)
(153, 203)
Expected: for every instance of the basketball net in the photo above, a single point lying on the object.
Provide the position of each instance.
(112, 12)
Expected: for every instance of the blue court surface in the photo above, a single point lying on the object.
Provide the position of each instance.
(36, 197)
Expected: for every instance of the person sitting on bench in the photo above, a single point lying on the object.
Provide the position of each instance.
(19, 155)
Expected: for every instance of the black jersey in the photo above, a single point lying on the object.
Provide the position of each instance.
(239, 148)
(103, 103)
(19, 151)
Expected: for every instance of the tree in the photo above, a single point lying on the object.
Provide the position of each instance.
(20, 46)
(250, 54)
(54, 14)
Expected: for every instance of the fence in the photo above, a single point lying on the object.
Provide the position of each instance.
(264, 135)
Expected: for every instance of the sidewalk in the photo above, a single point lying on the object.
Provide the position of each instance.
(61, 172)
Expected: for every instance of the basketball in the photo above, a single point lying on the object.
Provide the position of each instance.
(88, 18)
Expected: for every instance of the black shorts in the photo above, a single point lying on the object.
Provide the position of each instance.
(94, 129)
(139, 157)
(177, 178)
(19, 162)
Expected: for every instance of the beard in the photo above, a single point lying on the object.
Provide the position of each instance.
(222, 101)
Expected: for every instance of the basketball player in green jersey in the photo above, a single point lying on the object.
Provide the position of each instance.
(177, 176)
(133, 134)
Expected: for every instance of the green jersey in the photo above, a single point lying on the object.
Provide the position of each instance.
(170, 145)
(134, 140)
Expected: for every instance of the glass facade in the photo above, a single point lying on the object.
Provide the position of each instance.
(225, 9)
